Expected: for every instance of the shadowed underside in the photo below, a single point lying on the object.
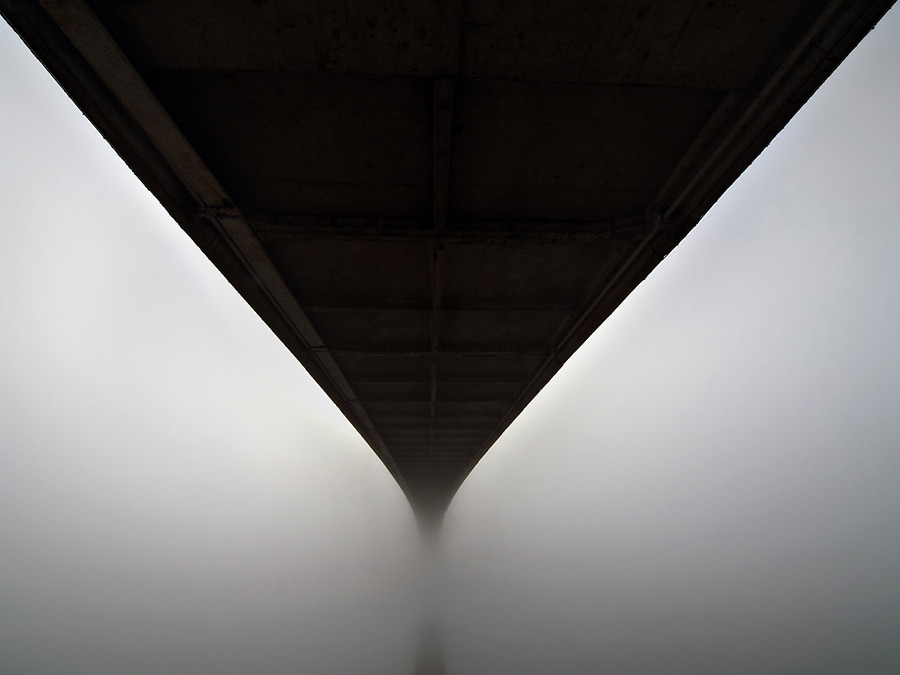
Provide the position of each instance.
(433, 204)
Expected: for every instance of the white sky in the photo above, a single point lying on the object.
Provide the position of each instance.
(712, 483)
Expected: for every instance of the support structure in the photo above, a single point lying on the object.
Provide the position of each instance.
(433, 204)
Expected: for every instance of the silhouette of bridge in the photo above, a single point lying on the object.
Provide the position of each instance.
(433, 204)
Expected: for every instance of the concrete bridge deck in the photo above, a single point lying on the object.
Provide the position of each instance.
(433, 204)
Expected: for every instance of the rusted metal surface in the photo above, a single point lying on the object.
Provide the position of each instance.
(433, 204)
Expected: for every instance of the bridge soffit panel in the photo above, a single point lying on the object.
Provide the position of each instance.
(434, 204)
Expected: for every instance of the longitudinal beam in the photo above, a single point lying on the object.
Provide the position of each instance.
(109, 84)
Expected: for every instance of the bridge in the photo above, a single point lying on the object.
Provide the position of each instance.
(433, 204)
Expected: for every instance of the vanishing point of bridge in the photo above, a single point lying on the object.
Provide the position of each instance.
(433, 204)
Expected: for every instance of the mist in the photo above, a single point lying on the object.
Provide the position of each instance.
(710, 484)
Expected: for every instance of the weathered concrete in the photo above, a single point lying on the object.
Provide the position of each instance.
(433, 204)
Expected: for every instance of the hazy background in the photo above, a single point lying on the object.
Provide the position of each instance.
(711, 484)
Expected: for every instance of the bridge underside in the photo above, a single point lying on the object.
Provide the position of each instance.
(433, 204)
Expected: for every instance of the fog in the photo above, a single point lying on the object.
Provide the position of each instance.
(711, 484)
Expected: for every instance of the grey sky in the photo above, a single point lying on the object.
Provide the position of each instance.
(711, 484)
